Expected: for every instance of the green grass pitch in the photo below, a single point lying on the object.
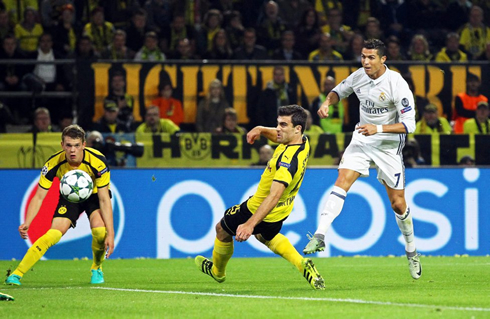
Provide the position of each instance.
(364, 287)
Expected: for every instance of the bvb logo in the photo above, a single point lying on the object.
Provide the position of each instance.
(62, 210)
(196, 146)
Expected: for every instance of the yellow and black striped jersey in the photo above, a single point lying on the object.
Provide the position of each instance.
(93, 163)
(287, 166)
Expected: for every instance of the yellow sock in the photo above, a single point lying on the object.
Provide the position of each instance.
(98, 246)
(37, 250)
(222, 253)
(281, 246)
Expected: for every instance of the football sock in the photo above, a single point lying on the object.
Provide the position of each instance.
(37, 250)
(281, 246)
(98, 246)
(332, 209)
(222, 253)
(405, 223)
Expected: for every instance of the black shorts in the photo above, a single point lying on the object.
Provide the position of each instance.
(239, 214)
(72, 211)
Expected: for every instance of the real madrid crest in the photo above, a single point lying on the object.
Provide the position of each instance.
(382, 97)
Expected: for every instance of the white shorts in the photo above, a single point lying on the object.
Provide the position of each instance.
(389, 165)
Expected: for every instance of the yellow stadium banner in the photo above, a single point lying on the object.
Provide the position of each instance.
(230, 150)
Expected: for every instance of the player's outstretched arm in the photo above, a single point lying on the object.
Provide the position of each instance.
(269, 132)
(106, 212)
(245, 230)
(371, 129)
(32, 210)
(332, 98)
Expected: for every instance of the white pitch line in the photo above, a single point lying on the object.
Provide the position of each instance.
(357, 301)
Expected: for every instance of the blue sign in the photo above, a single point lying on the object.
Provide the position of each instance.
(172, 213)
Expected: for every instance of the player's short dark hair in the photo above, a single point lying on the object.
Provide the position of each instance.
(74, 131)
(298, 114)
(375, 44)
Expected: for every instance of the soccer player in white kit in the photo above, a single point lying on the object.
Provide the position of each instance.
(387, 114)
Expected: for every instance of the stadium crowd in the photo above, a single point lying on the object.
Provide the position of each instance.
(160, 30)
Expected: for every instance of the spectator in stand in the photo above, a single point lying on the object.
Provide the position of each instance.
(307, 32)
(120, 12)
(177, 30)
(467, 161)
(340, 33)
(220, 48)
(109, 122)
(150, 50)
(271, 28)
(393, 49)
(393, 20)
(456, 15)
(155, 124)
(17, 9)
(324, 6)
(234, 28)
(184, 51)
(310, 127)
(159, 14)
(291, 11)
(191, 10)
(475, 34)
(432, 123)
(419, 49)
(420, 101)
(355, 46)
(286, 51)
(277, 93)
(411, 154)
(42, 121)
(204, 37)
(211, 109)
(135, 33)
(485, 6)
(325, 52)
(11, 73)
(6, 117)
(65, 120)
(170, 108)
(229, 124)
(64, 32)
(373, 29)
(51, 12)
(28, 32)
(100, 31)
(426, 17)
(265, 154)
(485, 56)
(118, 50)
(83, 11)
(451, 53)
(465, 102)
(333, 123)
(121, 100)
(359, 11)
(249, 50)
(480, 124)
(84, 50)
(5, 26)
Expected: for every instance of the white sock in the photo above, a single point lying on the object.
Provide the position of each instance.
(405, 223)
(332, 209)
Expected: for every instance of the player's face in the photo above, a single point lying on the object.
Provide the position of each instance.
(372, 63)
(73, 148)
(287, 133)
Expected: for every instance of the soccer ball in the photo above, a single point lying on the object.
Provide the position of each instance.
(76, 186)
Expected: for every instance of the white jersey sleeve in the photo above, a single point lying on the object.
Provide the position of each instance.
(404, 102)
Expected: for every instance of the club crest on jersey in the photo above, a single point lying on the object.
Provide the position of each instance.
(382, 96)
(62, 210)
(405, 102)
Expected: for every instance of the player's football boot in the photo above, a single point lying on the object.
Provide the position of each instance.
(205, 265)
(13, 280)
(312, 275)
(315, 244)
(97, 277)
(414, 265)
(6, 297)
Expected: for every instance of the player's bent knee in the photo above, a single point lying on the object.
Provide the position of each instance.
(221, 234)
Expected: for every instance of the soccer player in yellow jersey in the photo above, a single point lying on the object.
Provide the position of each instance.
(263, 214)
(98, 207)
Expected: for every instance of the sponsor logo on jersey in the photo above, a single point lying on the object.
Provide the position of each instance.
(405, 102)
(358, 91)
(407, 109)
(374, 110)
(382, 96)
(284, 164)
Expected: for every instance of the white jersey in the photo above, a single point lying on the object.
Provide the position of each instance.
(385, 100)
